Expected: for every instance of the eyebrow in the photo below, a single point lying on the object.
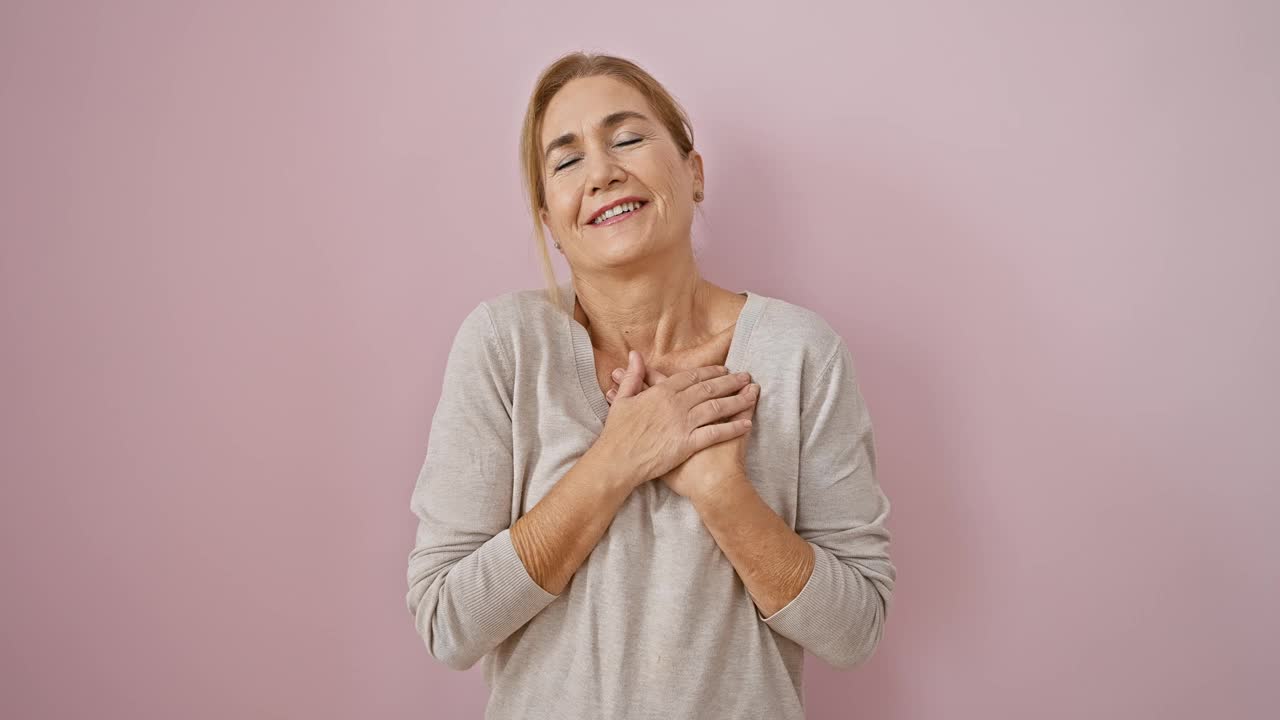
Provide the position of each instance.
(610, 120)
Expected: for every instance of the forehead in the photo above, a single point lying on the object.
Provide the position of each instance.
(583, 102)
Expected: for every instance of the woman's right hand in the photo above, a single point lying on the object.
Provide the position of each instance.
(655, 429)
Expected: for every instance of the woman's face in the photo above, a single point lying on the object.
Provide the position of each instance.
(602, 143)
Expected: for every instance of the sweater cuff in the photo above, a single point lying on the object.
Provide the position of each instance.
(807, 618)
(502, 596)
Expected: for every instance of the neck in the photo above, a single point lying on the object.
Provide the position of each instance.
(655, 310)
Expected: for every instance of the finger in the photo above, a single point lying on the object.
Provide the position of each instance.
(621, 373)
(612, 393)
(722, 408)
(618, 374)
(749, 413)
(687, 378)
(633, 379)
(708, 435)
(715, 387)
(653, 377)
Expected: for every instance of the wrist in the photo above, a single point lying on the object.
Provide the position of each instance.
(720, 487)
(613, 469)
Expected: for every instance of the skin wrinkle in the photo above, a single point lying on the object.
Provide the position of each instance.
(702, 598)
(649, 256)
(638, 288)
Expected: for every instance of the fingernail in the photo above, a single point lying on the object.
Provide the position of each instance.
(746, 423)
(610, 394)
(617, 374)
(744, 376)
(752, 389)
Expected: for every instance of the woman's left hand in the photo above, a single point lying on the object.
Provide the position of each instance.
(705, 470)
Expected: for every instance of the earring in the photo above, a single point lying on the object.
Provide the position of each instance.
(557, 244)
(697, 196)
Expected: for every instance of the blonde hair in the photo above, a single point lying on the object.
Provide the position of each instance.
(569, 67)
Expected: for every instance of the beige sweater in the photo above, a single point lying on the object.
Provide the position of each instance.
(656, 623)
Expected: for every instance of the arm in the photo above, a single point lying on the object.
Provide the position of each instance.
(772, 560)
(555, 537)
(473, 577)
(828, 584)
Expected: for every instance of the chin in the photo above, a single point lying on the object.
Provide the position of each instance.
(625, 248)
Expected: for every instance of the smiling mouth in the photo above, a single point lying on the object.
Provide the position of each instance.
(620, 216)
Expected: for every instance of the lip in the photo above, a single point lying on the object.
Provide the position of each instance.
(616, 218)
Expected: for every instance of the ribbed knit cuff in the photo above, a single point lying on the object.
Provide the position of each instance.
(501, 596)
(808, 619)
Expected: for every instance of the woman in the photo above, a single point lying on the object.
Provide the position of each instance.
(613, 513)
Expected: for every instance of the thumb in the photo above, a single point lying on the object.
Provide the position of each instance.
(633, 381)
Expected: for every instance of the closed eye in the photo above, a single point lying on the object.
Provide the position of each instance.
(571, 161)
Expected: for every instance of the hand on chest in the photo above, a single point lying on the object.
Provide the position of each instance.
(714, 352)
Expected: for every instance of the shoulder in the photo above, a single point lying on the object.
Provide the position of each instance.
(526, 312)
(798, 352)
(499, 331)
(516, 306)
(518, 320)
(789, 328)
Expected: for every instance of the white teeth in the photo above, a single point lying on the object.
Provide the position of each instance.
(616, 210)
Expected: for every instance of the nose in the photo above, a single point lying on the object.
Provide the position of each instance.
(603, 172)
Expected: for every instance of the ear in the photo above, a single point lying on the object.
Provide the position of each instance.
(699, 182)
(544, 217)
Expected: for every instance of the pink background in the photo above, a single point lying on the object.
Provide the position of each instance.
(238, 238)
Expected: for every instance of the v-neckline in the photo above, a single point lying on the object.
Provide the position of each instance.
(585, 359)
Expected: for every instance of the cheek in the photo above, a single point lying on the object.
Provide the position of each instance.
(562, 207)
(668, 186)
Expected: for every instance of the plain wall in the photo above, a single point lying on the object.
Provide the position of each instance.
(238, 238)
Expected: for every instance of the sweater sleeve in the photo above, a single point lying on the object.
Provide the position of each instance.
(840, 613)
(468, 589)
